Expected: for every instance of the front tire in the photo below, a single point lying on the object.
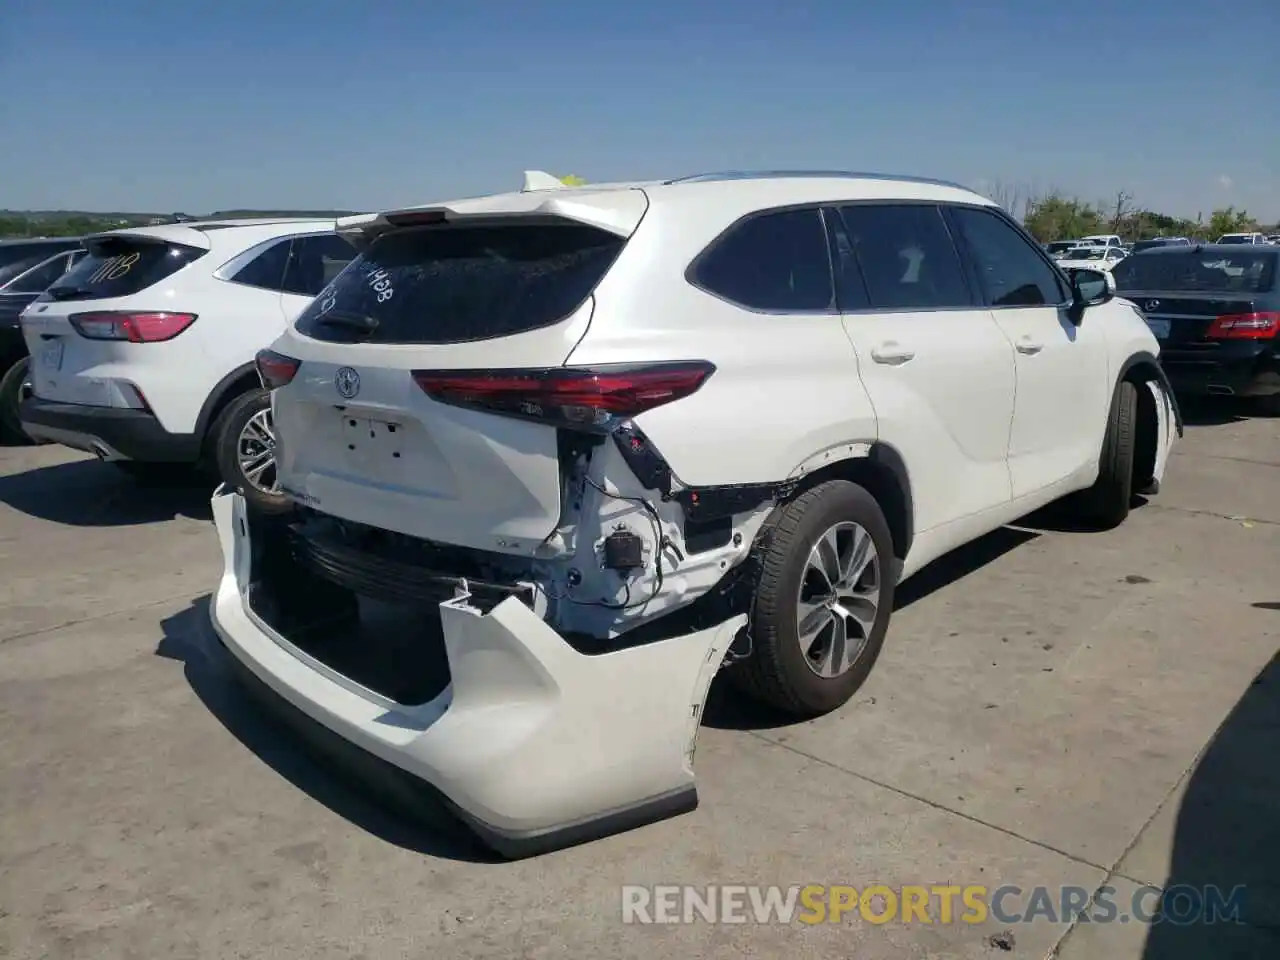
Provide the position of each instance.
(1106, 504)
(244, 443)
(822, 601)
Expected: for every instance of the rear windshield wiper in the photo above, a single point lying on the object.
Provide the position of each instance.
(355, 321)
(68, 293)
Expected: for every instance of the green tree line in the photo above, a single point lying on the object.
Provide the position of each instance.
(1058, 216)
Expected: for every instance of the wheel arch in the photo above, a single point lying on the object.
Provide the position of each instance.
(1140, 369)
(879, 468)
(239, 381)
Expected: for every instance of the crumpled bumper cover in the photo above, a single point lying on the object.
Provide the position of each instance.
(533, 745)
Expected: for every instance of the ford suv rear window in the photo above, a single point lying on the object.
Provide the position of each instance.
(120, 267)
(455, 284)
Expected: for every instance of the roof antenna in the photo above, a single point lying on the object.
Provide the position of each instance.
(540, 180)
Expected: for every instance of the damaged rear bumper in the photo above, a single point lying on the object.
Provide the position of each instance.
(533, 744)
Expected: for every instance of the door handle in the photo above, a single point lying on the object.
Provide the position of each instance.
(1029, 347)
(891, 353)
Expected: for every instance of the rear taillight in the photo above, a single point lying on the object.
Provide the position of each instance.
(1245, 326)
(591, 398)
(275, 369)
(131, 325)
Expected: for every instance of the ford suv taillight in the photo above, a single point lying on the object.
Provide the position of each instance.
(131, 325)
(584, 398)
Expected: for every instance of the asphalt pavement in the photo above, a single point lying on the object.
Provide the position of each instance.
(1053, 708)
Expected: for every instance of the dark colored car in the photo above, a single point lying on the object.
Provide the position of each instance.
(1159, 242)
(27, 268)
(1216, 311)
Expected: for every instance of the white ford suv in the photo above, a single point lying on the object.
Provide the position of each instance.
(143, 352)
(560, 455)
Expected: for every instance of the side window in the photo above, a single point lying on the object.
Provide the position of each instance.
(38, 279)
(266, 270)
(773, 261)
(907, 257)
(1011, 272)
(314, 261)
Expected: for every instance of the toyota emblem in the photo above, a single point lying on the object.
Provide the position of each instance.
(1150, 305)
(347, 382)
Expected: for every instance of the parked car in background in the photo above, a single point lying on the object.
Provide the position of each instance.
(1102, 240)
(1242, 238)
(1154, 242)
(1216, 312)
(21, 281)
(537, 415)
(1058, 248)
(1274, 238)
(1092, 258)
(17, 256)
(143, 353)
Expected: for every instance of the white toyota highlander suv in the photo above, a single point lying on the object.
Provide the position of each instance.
(143, 352)
(560, 455)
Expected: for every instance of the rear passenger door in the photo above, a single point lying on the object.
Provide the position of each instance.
(1063, 386)
(937, 367)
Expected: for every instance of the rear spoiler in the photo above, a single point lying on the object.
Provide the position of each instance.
(615, 209)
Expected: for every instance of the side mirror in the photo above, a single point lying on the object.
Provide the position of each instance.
(1089, 288)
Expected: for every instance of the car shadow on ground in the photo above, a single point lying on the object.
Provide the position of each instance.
(1213, 411)
(728, 709)
(189, 638)
(87, 493)
(1227, 836)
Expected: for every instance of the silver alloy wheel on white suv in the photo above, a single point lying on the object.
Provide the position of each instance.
(256, 452)
(839, 599)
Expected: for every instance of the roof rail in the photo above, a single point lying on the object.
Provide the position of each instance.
(822, 174)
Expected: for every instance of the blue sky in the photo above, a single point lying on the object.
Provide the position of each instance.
(149, 105)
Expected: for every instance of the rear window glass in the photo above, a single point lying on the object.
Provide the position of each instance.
(1244, 272)
(121, 266)
(456, 284)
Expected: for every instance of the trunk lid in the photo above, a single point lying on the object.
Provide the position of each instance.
(1178, 317)
(505, 289)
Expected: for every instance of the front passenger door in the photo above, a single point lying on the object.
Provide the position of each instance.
(1061, 369)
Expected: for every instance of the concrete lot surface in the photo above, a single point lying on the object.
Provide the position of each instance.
(1044, 713)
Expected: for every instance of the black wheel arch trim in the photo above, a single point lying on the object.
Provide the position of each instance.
(888, 457)
(219, 394)
(1150, 359)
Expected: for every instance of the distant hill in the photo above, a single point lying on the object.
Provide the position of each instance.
(132, 216)
(73, 223)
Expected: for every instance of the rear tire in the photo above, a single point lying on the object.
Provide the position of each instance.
(822, 601)
(11, 396)
(1106, 504)
(243, 444)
